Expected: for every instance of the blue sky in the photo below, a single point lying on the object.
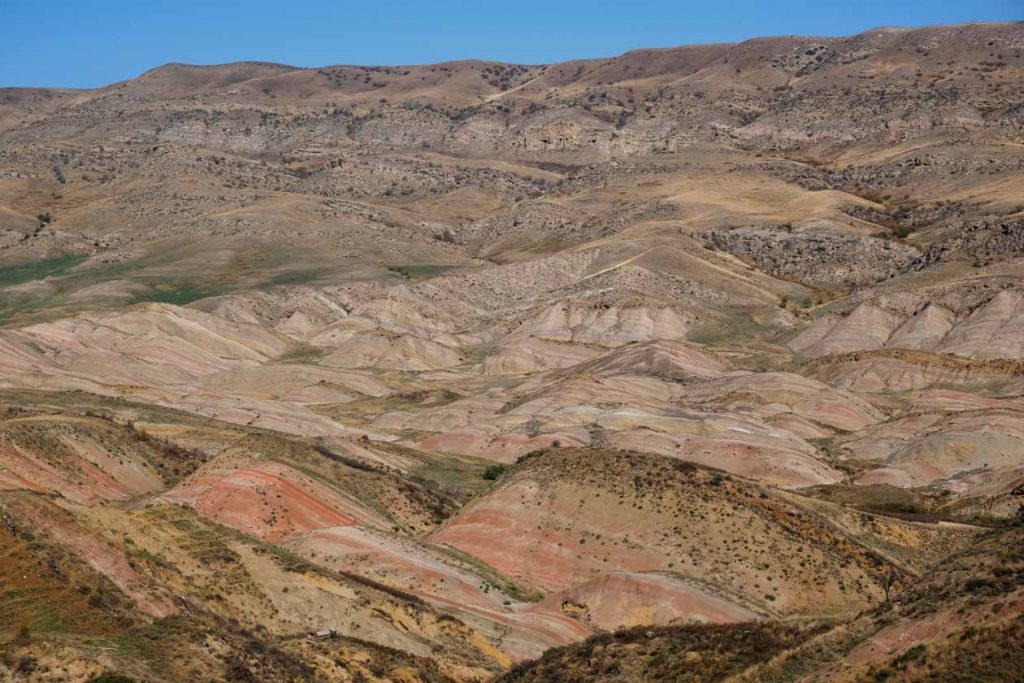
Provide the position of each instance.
(87, 43)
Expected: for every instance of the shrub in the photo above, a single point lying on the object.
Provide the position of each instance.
(111, 677)
(26, 665)
(493, 472)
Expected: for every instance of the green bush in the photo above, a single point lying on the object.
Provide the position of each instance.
(493, 472)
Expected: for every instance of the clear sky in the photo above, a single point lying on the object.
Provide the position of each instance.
(87, 43)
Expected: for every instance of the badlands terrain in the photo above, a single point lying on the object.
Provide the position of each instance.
(692, 364)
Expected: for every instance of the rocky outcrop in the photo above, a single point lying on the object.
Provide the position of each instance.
(817, 253)
(982, 242)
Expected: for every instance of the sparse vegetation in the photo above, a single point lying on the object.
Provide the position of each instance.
(667, 653)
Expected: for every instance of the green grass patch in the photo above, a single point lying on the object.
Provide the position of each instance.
(295, 277)
(179, 295)
(736, 327)
(456, 476)
(27, 272)
(303, 354)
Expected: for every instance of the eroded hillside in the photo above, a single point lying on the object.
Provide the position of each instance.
(699, 363)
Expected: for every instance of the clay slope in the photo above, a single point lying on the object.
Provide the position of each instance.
(960, 620)
(990, 331)
(662, 397)
(568, 521)
(105, 582)
(353, 510)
